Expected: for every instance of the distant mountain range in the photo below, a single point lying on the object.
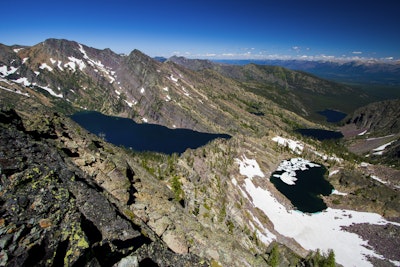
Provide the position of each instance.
(352, 72)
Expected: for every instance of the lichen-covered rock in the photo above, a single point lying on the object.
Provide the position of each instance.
(130, 261)
(55, 214)
(175, 242)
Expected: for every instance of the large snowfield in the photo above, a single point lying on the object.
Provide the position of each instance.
(312, 231)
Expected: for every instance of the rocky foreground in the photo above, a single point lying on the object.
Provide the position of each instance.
(53, 214)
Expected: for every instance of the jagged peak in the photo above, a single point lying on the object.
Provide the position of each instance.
(59, 43)
(138, 55)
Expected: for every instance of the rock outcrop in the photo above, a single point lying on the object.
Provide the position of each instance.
(54, 214)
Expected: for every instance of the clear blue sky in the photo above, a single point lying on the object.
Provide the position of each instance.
(212, 28)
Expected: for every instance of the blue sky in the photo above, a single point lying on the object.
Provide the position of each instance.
(307, 29)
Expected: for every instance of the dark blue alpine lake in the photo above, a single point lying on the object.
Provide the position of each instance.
(332, 115)
(320, 134)
(305, 194)
(143, 137)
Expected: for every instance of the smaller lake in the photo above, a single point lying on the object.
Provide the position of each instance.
(143, 137)
(320, 134)
(332, 115)
(302, 182)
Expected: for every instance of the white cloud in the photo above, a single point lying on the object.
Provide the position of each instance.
(294, 53)
(296, 48)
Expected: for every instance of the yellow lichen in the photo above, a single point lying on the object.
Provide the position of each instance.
(77, 242)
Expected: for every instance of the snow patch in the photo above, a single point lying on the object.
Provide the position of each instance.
(45, 66)
(317, 231)
(364, 164)
(264, 235)
(97, 64)
(379, 150)
(53, 61)
(5, 72)
(15, 91)
(51, 91)
(185, 92)
(234, 182)
(37, 73)
(362, 133)
(16, 50)
(23, 81)
(249, 167)
(75, 61)
(167, 98)
(25, 60)
(376, 178)
(335, 192)
(59, 65)
(142, 91)
(289, 168)
(130, 104)
(144, 120)
(293, 145)
(333, 173)
(172, 78)
(326, 157)
(166, 89)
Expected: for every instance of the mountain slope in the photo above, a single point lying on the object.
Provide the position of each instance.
(133, 86)
(350, 72)
(297, 91)
(378, 118)
(376, 128)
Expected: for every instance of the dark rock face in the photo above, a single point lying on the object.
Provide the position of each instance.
(379, 117)
(52, 214)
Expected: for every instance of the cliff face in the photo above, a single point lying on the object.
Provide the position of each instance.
(376, 128)
(379, 118)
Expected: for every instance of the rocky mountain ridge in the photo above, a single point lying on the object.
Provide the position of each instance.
(300, 92)
(138, 87)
